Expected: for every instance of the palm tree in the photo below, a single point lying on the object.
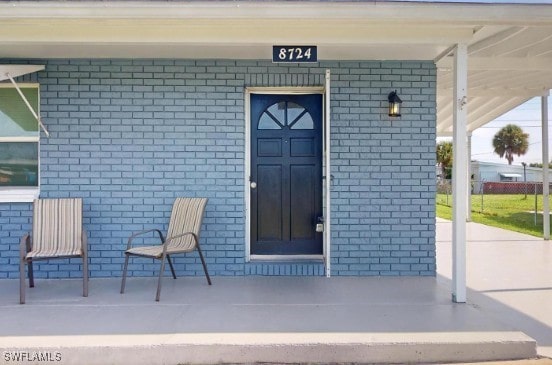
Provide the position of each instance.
(444, 158)
(510, 140)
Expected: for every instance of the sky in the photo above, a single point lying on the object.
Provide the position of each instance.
(528, 117)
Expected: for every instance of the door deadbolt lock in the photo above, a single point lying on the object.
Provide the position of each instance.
(320, 225)
(253, 184)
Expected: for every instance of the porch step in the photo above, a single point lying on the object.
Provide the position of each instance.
(281, 348)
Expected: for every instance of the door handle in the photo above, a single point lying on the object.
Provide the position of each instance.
(253, 184)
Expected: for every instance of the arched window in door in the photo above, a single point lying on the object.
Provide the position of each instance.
(285, 114)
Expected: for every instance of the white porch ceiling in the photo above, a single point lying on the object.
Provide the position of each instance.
(507, 65)
(509, 45)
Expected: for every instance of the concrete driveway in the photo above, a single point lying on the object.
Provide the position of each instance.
(509, 277)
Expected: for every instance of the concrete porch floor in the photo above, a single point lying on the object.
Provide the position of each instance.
(299, 319)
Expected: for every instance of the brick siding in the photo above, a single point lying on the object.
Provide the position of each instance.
(128, 136)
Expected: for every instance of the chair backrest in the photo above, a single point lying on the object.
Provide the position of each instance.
(57, 226)
(186, 216)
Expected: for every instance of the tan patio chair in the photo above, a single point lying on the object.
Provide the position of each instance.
(182, 237)
(57, 233)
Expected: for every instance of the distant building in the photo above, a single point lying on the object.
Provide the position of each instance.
(490, 172)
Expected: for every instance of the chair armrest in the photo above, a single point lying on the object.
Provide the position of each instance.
(181, 235)
(169, 239)
(131, 238)
(24, 246)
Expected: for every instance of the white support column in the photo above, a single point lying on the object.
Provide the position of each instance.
(459, 173)
(545, 176)
(468, 212)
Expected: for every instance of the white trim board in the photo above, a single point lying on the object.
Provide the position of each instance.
(247, 163)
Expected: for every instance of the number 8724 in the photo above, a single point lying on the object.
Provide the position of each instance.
(294, 54)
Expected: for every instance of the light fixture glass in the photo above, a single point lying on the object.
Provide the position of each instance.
(394, 104)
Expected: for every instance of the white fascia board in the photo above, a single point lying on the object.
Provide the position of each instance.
(225, 32)
(433, 13)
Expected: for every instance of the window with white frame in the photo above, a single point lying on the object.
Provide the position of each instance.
(19, 144)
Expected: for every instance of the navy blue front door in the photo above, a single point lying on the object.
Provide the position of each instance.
(286, 174)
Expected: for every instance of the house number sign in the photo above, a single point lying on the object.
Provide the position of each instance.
(294, 54)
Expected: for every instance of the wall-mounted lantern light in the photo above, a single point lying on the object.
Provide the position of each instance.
(394, 104)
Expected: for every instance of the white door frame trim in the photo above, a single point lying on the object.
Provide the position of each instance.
(247, 163)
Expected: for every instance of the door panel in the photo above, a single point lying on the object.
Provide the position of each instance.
(269, 147)
(302, 147)
(286, 174)
(269, 209)
(302, 202)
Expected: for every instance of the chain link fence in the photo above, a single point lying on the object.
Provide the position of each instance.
(512, 200)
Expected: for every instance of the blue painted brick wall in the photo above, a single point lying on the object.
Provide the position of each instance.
(128, 136)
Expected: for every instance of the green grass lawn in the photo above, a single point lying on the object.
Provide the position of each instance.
(513, 212)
